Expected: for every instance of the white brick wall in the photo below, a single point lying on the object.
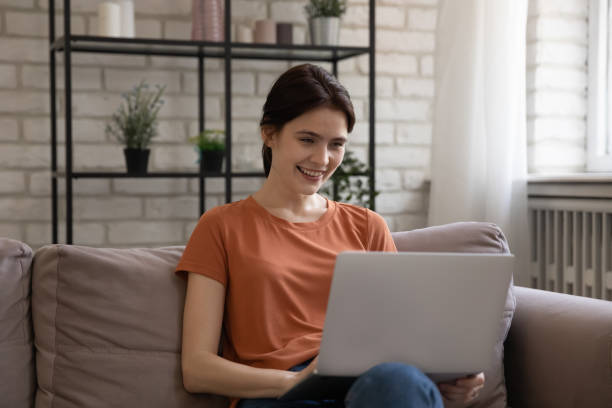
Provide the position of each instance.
(30, 24)
(12, 182)
(9, 129)
(389, 17)
(404, 109)
(15, 102)
(146, 232)
(84, 79)
(416, 134)
(419, 19)
(14, 50)
(8, 76)
(557, 36)
(152, 212)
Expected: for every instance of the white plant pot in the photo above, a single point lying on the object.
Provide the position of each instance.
(324, 30)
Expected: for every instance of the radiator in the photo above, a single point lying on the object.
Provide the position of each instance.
(571, 246)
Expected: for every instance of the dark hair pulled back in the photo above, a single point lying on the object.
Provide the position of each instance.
(298, 90)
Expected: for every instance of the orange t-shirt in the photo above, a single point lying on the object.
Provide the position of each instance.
(277, 274)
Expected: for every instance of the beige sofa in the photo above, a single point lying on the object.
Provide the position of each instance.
(93, 327)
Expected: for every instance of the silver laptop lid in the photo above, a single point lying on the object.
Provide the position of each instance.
(438, 311)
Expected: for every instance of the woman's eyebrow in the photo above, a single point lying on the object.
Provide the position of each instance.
(315, 134)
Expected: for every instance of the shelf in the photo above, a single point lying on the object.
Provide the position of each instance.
(193, 174)
(186, 48)
(189, 174)
(199, 50)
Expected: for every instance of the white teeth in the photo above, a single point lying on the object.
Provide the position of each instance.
(311, 173)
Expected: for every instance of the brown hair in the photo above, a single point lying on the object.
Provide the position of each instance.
(298, 90)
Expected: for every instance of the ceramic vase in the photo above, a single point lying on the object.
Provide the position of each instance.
(207, 20)
(324, 30)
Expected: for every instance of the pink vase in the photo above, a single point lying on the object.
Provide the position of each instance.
(208, 20)
(197, 22)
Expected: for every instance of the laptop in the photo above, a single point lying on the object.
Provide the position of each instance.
(440, 312)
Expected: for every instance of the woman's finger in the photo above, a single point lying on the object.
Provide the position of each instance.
(456, 393)
(471, 396)
(454, 388)
(472, 381)
(454, 396)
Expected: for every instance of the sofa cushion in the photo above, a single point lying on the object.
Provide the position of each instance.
(476, 237)
(17, 379)
(108, 328)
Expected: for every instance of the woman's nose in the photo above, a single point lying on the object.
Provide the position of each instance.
(321, 156)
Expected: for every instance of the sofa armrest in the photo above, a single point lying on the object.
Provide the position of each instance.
(17, 371)
(559, 351)
(476, 237)
(469, 237)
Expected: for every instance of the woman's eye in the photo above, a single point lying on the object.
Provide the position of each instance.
(306, 140)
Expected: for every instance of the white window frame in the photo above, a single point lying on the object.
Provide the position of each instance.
(599, 124)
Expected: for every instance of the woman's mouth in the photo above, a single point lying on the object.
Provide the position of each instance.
(311, 174)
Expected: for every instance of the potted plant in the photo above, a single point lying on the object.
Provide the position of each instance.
(347, 183)
(324, 20)
(135, 124)
(210, 146)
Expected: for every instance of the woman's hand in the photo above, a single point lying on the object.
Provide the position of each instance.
(295, 377)
(463, 389)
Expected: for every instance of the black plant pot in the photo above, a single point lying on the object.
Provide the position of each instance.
(212, 160)
(136, 160)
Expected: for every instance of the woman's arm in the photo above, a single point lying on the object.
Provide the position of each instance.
(203, 370)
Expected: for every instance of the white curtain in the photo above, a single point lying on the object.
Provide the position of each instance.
(478, 168)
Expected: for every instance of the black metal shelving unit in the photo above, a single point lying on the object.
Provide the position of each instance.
(226, 50)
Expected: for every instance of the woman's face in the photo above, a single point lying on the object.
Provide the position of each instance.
(308, 149)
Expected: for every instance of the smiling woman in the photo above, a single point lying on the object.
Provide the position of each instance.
(306, 119)
(259, 270)
(298, 91)
(307, 150)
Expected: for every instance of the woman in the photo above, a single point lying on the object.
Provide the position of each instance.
(259, 270)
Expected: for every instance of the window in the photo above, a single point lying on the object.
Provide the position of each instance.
(599, 128)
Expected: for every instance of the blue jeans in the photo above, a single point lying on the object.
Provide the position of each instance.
(385, 385)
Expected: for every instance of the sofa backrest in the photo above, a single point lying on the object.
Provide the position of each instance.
(17, 371)
(475, 237)
(108, 328)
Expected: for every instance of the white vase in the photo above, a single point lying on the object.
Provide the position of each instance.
(324, 30)
(244, 34)
(127, 18)
(109, 19)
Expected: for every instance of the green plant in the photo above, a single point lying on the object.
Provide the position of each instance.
(135, 122)
(209, 140)
(347, 183)
(325, 8)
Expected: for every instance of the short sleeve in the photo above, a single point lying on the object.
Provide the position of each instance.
(205, 252)
(379, 236)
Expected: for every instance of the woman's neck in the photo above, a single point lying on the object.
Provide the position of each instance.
(286, 204)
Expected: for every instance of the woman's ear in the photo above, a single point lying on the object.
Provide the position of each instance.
(268, 135)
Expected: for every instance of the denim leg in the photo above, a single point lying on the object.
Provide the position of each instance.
(274, 403)
(393, 385)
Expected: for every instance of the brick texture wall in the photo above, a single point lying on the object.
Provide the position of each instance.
(153, 212)
(557, 50)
